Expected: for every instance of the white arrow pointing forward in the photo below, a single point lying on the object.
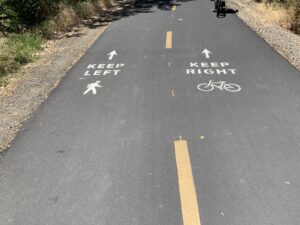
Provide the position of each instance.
(206, 53)
(112, 54)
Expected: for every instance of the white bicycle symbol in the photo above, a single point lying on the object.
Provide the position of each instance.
(222, 85)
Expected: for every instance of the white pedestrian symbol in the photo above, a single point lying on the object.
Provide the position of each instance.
(92, 87)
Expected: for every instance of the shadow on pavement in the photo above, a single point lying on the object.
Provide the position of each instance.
(130, 8)
(227, 11)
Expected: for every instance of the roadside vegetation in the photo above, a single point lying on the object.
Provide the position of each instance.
(18, 50)
(24, 24)
(287, 10)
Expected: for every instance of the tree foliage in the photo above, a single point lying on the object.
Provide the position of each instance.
(16, 15)
(28, 13)
(31, 12)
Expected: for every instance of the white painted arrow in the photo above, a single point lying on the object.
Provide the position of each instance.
(206, 53)
(112, 54)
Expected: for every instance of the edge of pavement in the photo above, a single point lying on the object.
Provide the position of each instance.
(284, 41)
(32, 84)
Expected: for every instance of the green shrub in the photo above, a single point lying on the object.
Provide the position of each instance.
(18, 50)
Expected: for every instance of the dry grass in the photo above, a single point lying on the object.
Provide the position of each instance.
(296, 19)
(66, 18)
(105, 4)
(275, 14)
(69, 16)
(2, 40)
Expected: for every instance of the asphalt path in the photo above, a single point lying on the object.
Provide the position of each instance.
(192, 120)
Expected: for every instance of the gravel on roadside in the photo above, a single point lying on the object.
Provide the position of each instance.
(32, 84)
(282, 40)
(28, 88)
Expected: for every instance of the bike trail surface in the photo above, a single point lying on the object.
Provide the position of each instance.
(173, 116)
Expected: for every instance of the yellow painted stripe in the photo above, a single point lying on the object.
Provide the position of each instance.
(169, 39)
(174, 8)
(188, 196)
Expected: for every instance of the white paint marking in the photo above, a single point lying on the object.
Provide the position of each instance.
(210, 68)
(106, 72)
(120, 65)
(190, 71)
(92, 66)
(233, 71)
(221, 85)
(208, 71)
(92, 87)
(104, 69)
(116, 72)
(223, 64)
(112, 54)
(194, 64)
(87, 73)
(223, 71)
(206, 53)
(97, 73)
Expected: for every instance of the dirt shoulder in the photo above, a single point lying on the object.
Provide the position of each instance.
(267, 26)
(31, 85)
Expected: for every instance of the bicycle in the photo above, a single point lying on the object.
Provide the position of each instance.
(221, 85)
(219, 6)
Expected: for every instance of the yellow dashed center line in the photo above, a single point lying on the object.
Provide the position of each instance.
(188, 196)
(173, 93)
(169, 38)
